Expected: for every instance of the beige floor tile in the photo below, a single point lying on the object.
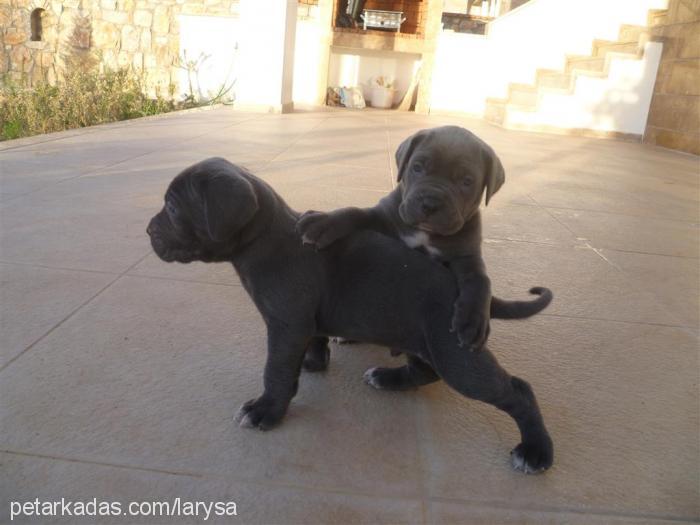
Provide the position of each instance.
(26, 478)
(34, 299)
(171, 362)
(621, 402)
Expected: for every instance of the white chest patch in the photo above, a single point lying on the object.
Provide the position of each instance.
(420, 240)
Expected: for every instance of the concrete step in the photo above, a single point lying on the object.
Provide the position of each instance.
(631, 33)
(601, 47)
(550, 78)
(522, 95)
(495, 110)
(656, 17)
(584, 63)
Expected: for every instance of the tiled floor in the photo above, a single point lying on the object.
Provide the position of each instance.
(120, 374)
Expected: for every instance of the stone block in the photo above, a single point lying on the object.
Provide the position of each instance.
(123, 59)
(57, 7)
(677, 140)
(684, 11)
(15, 37)
(137, 61)
(150, 61)
(145, 44)
(108, 4)
(143, 18)
(675, 113)
(681, 77)
(161, 19)
(71, 4)
(47, 58)
(130, 38)
(126, 5)
(192, 9)
(105, 34)
(116, 17)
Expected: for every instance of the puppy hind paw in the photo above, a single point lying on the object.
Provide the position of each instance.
(317, 361)
(531, 458)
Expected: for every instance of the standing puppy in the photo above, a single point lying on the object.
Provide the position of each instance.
(442, 174)
(367, 287)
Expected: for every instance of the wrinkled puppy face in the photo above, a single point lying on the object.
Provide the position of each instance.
(206, 207)
(443, 173)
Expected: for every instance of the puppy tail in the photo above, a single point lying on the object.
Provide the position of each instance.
(504, 309)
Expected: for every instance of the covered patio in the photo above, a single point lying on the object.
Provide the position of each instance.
(120, 374)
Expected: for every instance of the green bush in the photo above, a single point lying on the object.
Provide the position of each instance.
(82, 98)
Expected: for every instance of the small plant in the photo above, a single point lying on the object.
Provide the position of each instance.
(383, 82)
(81, 98)
(195, 97)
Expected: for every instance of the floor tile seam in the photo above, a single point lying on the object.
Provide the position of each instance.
(72, 133)
(582, 240)
(215, 476)
(681, 326)
(71, 314)
(62, 268)
(619, 214)
(654, 254)
(294, 142)
(557, 509)
(175, 279)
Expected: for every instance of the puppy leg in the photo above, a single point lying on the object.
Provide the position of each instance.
(413, 374)
(285, 353)
(317, 355)
(479, 376)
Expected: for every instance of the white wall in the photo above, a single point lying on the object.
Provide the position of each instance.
(308, 54)
(348, 69)
(219, 46)
(539, 34)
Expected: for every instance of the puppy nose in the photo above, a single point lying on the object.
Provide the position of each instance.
(429, 205)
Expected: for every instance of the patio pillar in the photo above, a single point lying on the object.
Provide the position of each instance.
(266, 55)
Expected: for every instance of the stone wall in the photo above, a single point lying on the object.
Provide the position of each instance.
(674, 115)
(143, 34)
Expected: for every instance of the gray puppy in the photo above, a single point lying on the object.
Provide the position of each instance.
(442, 173)
(367, 287)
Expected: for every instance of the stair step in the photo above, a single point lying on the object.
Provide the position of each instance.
(585, 63)
(656, 17)
(601, 47)
(522, 95)
(631, 33)
(550, 78)
(495, 111)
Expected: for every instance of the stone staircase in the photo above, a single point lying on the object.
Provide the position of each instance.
(519, 109)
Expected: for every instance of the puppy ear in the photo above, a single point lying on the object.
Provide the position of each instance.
(230, 202)
(494, 174)
(405, 150)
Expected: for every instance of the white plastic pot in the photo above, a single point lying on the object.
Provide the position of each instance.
(382, 97)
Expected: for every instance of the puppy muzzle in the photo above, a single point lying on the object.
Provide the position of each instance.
(431, 211)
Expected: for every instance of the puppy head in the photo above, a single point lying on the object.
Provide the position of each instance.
(443, 172)
(205, 210)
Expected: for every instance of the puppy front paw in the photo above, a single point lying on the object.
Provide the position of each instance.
(533, 458)
(472, 326)
(260, 413)
(316, 228)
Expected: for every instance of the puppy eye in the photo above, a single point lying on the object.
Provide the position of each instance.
(170, 208)
(418, 167)
(467, 181)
